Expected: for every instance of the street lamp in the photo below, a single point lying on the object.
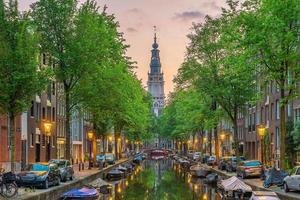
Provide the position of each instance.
(261, 132)
(47, 127)
(90, 135)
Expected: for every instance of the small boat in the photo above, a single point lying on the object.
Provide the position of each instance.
(199, 171)
(234, 188)
(184, 163)
(157, 153)
(122, 169)
(266, 195)
(211, 178)
(128, 166)
(115, 174)
(102, 186)
(86, 193)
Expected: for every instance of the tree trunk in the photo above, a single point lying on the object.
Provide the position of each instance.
(282, 130)
(236, 139)
(209, 142)
(103, 144)
(67, 125)
(12, 138)
(217, 149)
(117, 136)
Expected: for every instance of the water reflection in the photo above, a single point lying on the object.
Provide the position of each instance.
(161, 180)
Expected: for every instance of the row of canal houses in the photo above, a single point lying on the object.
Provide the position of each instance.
(40, 132)
(264, 113)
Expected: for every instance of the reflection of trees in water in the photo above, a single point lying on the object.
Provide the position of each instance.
(160, 180)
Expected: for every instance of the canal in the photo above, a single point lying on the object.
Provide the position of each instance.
(161, 180)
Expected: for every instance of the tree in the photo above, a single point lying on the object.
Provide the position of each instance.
(272, 32)
(216, 64)
(78, 39)
(20, 77)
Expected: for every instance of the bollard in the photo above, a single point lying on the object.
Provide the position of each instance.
(82, 166)
(79, 166)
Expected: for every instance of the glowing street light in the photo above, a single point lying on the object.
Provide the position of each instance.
(261, 129)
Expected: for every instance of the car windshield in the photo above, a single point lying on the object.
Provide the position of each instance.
(241, 159)
(252, 163)
(39, 167)
(109, 156)
(60, 163)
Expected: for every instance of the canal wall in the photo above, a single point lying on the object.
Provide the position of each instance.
(55, 193)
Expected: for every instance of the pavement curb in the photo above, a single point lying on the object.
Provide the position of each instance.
(56, 192)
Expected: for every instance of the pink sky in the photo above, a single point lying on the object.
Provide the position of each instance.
(173, 19)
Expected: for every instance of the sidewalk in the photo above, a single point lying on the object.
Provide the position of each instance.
(81, 178)
(257, 184)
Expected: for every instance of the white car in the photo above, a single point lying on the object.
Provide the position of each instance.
(196, 155)
(292, 181)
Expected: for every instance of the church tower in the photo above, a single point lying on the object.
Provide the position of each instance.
(156, 80)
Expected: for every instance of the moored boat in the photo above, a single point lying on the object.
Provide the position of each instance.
(86, 193)
(102, 186)
(211, 178)
(115, 174)
(199, 171)
(234, 188)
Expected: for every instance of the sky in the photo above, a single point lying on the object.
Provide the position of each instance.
(173, 19)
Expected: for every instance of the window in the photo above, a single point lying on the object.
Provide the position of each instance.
(43, 140)
(32, 139)
(267, 114)
(277, 138)
(48, 113)
(277, 111)
(32, 109)
(38, 112)
(53, 114)
(53, 88)
(44, 113)
(289, 110)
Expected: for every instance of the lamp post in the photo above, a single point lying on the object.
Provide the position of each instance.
(90, 135)
(47, 127)
(204, 142)
(261, 132)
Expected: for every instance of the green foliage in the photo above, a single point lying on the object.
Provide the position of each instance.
(187, 112)
(20, 78)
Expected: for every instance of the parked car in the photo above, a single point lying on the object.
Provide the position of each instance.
(110, 158)
(39, 175)
(264, 195)
(100, 160)
(211, 160)
(204, 158)
(292, 181)
(66, 170)
(231, 163)
(190, 154)
(196, 155)
(223, 162)
(249, 168)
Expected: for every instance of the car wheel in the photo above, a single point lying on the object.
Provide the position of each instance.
(46, 184)
(58, 181)
(285, 187)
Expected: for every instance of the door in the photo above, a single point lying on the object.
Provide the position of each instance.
(37, 152)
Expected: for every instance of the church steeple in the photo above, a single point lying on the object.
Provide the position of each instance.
(155, 66)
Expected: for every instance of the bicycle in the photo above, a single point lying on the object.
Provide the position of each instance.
(8, 186)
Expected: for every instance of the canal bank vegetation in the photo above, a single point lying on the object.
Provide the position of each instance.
(231, 60)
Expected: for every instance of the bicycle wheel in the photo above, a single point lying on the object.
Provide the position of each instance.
(10, 190)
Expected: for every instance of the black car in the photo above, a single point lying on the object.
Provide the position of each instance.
(223, 162)
(66, 170)
(39, 175)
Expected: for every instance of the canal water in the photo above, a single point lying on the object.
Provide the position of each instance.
(161, 180)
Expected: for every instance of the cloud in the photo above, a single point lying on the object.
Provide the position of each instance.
(131, 30)
(134, 10)
(188, 15)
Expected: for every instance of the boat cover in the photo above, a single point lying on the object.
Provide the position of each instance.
(99, 183)
(233, 184)
(83, 192)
